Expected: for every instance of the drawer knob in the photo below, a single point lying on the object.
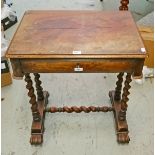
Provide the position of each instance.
(78, 68)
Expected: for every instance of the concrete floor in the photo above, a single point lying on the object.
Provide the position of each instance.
(75, 134)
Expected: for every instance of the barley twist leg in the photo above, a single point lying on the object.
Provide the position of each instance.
(39, 89)
(125, 99)
(119, 86)
(34, 105)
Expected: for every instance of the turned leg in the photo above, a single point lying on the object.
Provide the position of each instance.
(124, 5)
(34, 107)
(38, 107)
(125, 99)
(120, 108)
(119, 86)
(39, 89)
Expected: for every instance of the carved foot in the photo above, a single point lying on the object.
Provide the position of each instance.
(121, 125)
(123, 137)
(36, 139)
(37, 128)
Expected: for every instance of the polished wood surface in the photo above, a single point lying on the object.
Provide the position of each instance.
(122, 131)
(109, 42)
(53, 34)
(87, 65)
(96, 65)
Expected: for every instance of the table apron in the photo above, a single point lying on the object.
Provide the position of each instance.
(77, 66)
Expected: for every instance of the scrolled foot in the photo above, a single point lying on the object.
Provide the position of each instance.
(36, 139)
(123, 138)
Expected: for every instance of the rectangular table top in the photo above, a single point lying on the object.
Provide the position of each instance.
(82, 34)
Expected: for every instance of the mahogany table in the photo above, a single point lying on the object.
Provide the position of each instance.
(77, 42)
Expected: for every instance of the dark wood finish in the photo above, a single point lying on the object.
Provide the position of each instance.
(109, 42)
(34, 105)
(39, 89)
(124, 5)
(88, 65)
(67, 65)
(121, 126)
(125, 99)
(118, 88)
(78, 109)
(17, 69)
(37, 128)
(59, 33)
(139, 68)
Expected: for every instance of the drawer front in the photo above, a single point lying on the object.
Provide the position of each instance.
(77, 65)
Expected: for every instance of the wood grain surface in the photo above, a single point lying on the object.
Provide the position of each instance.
(87, 65)
(54, 34)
